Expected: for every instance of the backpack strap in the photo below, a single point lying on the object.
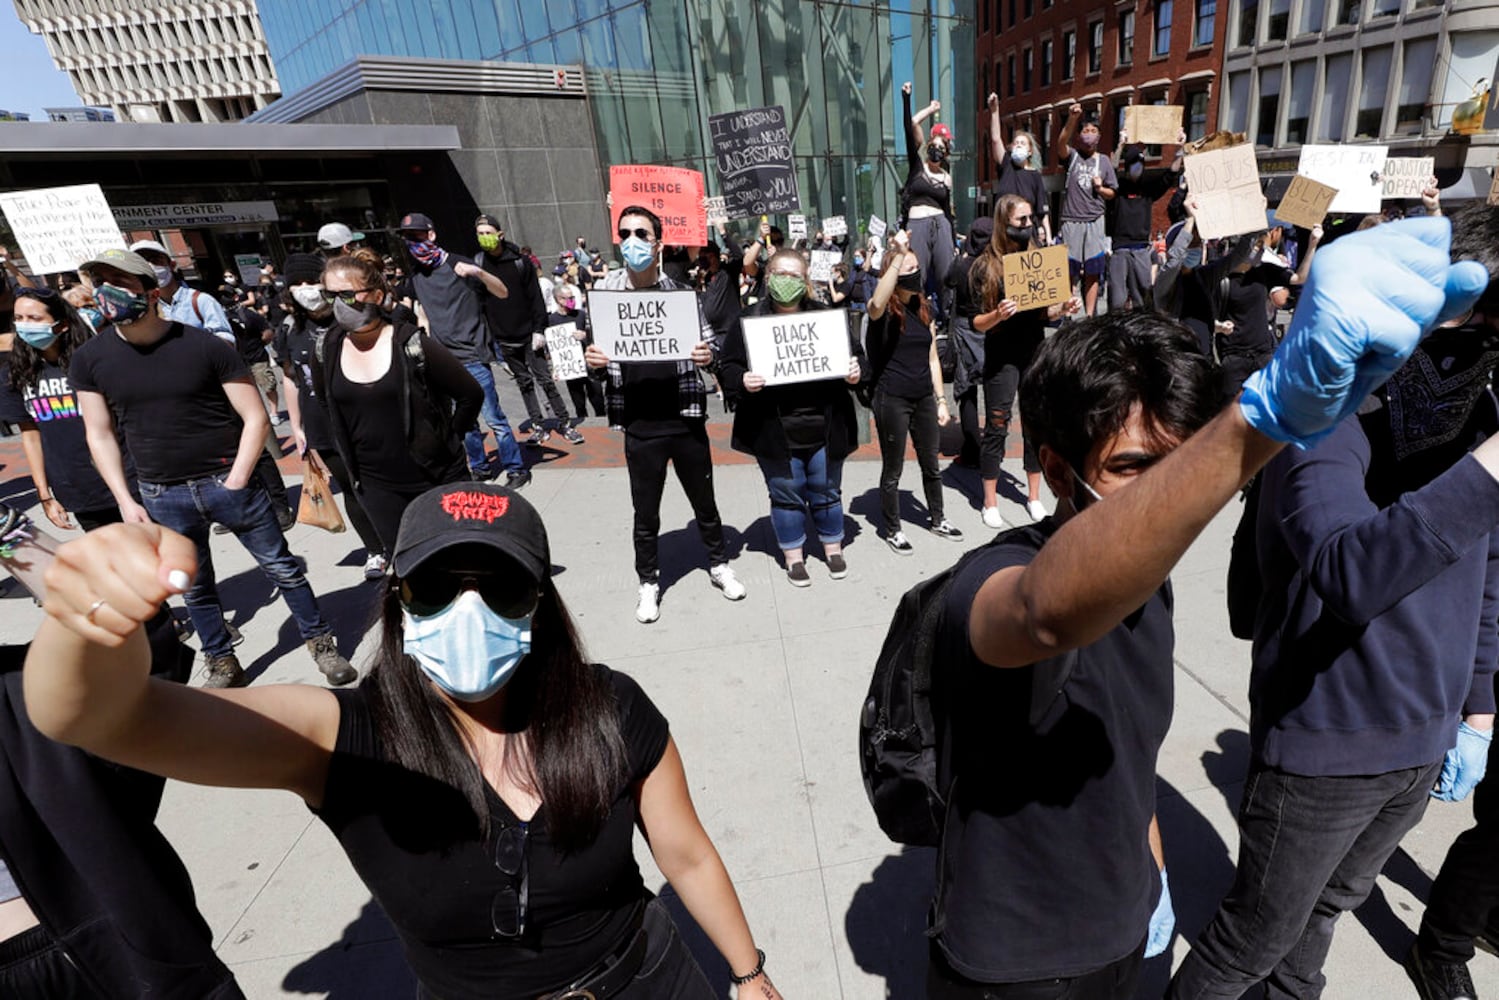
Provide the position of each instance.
(196, 311)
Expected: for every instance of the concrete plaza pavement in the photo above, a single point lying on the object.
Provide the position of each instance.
(762, 697)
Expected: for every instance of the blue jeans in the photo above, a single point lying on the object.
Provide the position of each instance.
(808, 480)
(473, 441)
(190, 509)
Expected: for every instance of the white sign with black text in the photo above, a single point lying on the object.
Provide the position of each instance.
(823, 261)
(645, 326)
(565, 351)
(61, 227)
(798, 347)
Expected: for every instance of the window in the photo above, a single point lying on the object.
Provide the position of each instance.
(1095, 47)
(1373, 89)
(1030, 63)
(1249, 14)
(1349, 10)
(1012, 13)
(1030, 7)
(1299, 101)
(1126, 37)
(1278, 21)
(1197, 115)
(1269, 109)
(1332, 116)
(1202, 26)
(1385, 8)
(1069, 54)
(1415, 85)
(1312, 13)
(983, 17)
(998, 74)
(1046, 49)
(1010, 75)
(1162, 28)
(1236, 117)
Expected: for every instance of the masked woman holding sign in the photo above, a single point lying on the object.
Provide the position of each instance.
(485, 780)
(799, 432)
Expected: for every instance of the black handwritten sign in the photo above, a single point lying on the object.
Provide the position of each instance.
(756, 171)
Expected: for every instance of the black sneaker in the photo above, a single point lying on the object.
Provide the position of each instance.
(898, 542)
(837, 568)
(1439, 980)
(797, 574)
(944, 528)
(480, 475)
(516, 480)
(324, 650)
(224, 672)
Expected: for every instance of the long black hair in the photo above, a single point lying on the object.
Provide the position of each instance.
(26, 361)
(567, 739)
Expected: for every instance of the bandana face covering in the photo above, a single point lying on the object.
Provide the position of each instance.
(426, 253)
(1434, 393)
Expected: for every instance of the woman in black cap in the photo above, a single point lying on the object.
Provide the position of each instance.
(485, 779)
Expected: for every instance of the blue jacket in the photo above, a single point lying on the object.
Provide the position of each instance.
(1377, 627)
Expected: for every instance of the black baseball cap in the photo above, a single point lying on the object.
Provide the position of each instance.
(415, 222)
(472, 514)
(488, 220)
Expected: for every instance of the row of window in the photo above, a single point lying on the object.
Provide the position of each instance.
(154, 36)
(1256, 22)
(160, 74)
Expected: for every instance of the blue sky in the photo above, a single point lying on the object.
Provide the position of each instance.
(30, 81)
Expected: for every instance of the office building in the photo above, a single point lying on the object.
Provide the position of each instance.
(79, 114)
(14, 116)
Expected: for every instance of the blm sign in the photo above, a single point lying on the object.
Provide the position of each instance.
(756, 172)
(798, 347)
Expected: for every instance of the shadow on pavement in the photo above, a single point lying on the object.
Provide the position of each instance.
(351, 611)
(886, 921)
(681, 551)
(867, 506)
(365, 962)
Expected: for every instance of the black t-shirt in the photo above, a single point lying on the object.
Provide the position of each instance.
(415, 844)
(908, 372)
(653, 406)
(1046, 868)
(374, 414)
(1247, 307)
(52, 408)
(296, 347)
(249, 329)
(1133, 204)
(1028, 184)
(168, 399)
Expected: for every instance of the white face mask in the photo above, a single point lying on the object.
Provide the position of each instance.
(309, 297)
(164, 275)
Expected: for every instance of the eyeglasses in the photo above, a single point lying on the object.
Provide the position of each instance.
(507, 911)
(348, 298)
(640, 233)
(428, 591)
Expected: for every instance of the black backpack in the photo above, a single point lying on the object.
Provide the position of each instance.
(902, 721)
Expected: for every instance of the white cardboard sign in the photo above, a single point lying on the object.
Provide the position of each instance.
(1354, 170)
(798, 347)
(835, 225)
(718, 213)
(61, 227)
(1226, 184)
(565, 351)
(645, 326)
(1406, 176)
(821, 268)
(877, 227)
(798, 227)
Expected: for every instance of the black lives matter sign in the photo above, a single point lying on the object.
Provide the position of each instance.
(756, 171)
(798, 347)
(645, 325)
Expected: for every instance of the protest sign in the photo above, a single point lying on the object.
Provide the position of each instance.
(877, 227)
(1353, 170)
(645, 326)
(835, 225)
(798, 347)
(1305, 202)
(821, 268)
(565, 351)
(1226, 184)
(1037, 278)
(248, 265)
(59, 228)
(673, 193)
(755, 168)
(717, 213)
(1406, 176)
(1494, 189)
(1153, 124)
(797, 227)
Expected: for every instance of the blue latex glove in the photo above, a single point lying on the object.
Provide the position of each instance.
(1368, 301)
(1465, 764)
(1162, 922)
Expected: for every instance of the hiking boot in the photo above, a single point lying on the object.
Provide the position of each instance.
(224, 672)
(516, 480)
(837, 567)
(648, 608)
(798, 575)
(1439, 980)
(324, 650)
(724, 579)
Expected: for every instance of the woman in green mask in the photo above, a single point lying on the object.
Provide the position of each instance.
(800, 432)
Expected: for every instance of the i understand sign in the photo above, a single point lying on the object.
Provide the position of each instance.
(645, 326)
(565, 351)
(752, 149)
(798, 347)
(59, 228)
(1037, 278)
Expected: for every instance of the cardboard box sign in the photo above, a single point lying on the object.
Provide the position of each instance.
(756, 170)
(835, 225)
(1037, 279)
(798, 347)
(674, 194)
(565, 351)
(1406, 176)
(1226, 184)
(59, 228)
(1354, 170)
(645, 326)
(1305, 202)
(1153, 124)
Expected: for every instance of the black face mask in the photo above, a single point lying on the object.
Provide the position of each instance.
(909, 283)
(1433, 395)
(1021, 234)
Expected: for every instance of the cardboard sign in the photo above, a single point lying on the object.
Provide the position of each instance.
(674, 194)
(755, 167)
(645, 326)
(835, 225)
(248, 265)
(1226, 184)
(1494, 189)
(797, 227)
(59, 228)
(823, 261)
(798, 347)
(717, 213)
(1037, 278)
(1406, 176)
(877, 227)
(1153, 124)
(1353, 170)
(1305, 202)
(565, 351)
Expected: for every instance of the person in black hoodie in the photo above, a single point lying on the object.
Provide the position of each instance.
(799, 432)
(1130, 214)
(1374, 653)
(518, 323)
(398, 401)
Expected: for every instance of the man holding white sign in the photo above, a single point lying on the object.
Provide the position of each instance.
(642, 324)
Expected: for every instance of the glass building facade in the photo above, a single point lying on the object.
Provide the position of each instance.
(657, 69)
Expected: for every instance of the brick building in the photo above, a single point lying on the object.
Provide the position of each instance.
(1039, 56)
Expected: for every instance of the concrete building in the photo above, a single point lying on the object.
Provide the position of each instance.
(159, 60)
(14, 116)
(79, 114)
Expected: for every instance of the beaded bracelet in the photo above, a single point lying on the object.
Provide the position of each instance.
(752, 974)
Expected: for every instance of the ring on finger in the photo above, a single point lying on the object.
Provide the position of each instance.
(93, 609)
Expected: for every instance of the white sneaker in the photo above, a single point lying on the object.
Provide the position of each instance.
(992, 518)
(724, 579)
(649, 607)
(1035, 509)
(374, 566)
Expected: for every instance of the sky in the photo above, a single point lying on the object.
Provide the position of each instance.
(30, 81)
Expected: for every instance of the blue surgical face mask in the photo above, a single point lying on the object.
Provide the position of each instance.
(1135, 171)
(38, 335)
(467, 649)
(1193, 260)
(95, 317)
(639, 254)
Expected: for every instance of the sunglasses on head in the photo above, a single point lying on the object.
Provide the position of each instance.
(348, 298)
(508, 594)
(640, 233)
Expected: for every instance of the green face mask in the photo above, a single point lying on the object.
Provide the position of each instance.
(489, 241)
(787, 289)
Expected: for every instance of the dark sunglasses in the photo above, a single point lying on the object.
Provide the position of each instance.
(349, 298)
(641, 234)
(428, 591)
(507, 911)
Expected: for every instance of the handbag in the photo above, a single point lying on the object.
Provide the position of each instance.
(316, 506)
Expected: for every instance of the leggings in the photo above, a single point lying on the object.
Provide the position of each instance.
(363, 527)
(584, 391)
(894, 418)
(932, 239)
(32, 964)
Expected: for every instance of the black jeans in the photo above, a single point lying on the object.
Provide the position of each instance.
(1309, 848)
(89, 520)
(999, 404)
(531, 369)
(669, 972)
(1465, 899)
(585, 391)
(34, 965)
(895, 417)
(1112, 982)
(647, 457)
(358, 517)
(385, 503)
